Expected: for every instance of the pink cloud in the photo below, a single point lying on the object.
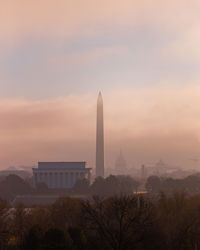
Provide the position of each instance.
(147, 124)
(67, 18)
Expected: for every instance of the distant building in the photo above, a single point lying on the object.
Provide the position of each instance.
(120, 164)
(58, 175)
(143, 172)
(161, 168)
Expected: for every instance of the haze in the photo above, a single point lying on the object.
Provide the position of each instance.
(56, 55)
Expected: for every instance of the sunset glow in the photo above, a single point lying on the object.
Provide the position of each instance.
(56, 55)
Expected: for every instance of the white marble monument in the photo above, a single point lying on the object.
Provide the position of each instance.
(100, 138)
(60, 174)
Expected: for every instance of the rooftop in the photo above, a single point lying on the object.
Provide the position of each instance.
(61, 165)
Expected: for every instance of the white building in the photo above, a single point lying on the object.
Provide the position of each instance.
(60, 174)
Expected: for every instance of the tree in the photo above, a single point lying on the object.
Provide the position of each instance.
(78, 237)
(13, 185)
(113, 185)
(81, 186)
(119, 222)
(19, 223)
(191, 184)
(153, 184)
(65, 212)
(40, 216)
(98, 187)
(4, 232)
(42, 188)
(127, 184)
(33, 238)
(56, 239)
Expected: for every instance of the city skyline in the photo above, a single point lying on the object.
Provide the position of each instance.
(51, 130)
(99, 124)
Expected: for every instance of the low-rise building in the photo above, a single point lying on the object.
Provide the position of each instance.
(60, 175)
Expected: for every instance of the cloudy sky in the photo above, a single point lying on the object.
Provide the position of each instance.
(56, 55)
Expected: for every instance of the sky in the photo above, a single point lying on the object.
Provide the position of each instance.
(56, 55)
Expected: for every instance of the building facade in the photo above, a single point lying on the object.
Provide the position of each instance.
(60, 175)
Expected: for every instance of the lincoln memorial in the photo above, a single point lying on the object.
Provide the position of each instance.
(60, 174)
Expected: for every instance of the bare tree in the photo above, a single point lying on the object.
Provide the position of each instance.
(120, 222)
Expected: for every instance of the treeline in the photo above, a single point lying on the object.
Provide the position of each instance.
(115, 223)
(190, 184)
(13, 185)
(109, 186)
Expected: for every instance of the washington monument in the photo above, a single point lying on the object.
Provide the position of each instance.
(100, 138)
